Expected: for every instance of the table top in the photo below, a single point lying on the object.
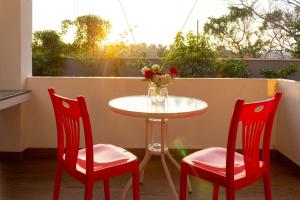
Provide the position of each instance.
(9, 98)
(6, 94)
(141, 106)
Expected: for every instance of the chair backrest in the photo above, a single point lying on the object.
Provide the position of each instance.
(255, 120)
(69, 113)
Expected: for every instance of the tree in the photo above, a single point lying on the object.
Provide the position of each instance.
(231, 68)
(91, 30)
(236, 32)
(281, 21)
(47, 48)
(193, 55)
(47, 43)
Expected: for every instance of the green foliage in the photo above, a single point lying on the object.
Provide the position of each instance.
(296, 49)
(122, 49)
(47, 66)
(284, 73)
(139, 63)
(232, 68)
(90, 66)
(91, 30)
(235, 32)
(47, 43)
(115, 50)
(193, 55)
(47, 48)
(161, 50)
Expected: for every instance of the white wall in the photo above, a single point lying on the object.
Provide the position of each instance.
(209, 129)
(15, 66)
(288, 134)
(10, 43)
(15, 43)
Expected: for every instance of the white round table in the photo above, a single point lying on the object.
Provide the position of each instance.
(174, 107)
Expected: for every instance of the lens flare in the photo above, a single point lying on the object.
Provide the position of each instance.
(179, 146)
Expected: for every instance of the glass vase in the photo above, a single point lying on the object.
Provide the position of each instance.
(158, 94)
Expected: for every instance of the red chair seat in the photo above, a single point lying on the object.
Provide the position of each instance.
(213, 160)
(105, 156)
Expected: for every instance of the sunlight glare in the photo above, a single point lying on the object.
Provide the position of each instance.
(70, 35)
(152, 21)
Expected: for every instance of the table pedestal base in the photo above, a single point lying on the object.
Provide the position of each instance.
(152, 148)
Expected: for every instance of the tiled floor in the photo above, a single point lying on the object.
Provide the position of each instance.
(32, 178)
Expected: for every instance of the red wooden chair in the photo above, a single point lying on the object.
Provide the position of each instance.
(94, 162)
(223, 166)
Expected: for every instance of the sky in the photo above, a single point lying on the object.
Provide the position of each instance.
(152, 21)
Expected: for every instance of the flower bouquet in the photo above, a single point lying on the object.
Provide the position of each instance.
(157, 76)
(159, 80)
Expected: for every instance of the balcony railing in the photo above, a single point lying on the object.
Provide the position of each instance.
(209, 129)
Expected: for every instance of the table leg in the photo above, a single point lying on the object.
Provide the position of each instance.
(163, 153)
(163, 159)
(125, 189)
(172, 159)
(147, 156)
(142, 166)
(144, 162)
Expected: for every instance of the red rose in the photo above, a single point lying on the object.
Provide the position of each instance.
(173, 71)
(148, 74)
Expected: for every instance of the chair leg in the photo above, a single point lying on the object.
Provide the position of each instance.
(135, 184)
(216, 191)
(58, 175)
(106, 189)
(230, 193)
(267, 186)
(88, 193)
(183, 184)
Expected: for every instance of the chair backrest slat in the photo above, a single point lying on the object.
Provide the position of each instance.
(72, 132)
(251, 136)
